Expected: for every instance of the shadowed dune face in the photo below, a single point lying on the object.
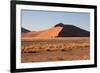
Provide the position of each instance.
(59, 30)
(73, 31)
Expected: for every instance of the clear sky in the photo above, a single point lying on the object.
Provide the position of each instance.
(41, 20)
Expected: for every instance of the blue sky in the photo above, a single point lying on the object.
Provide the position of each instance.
(40, 20)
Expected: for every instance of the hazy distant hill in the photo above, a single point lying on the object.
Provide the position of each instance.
(24, 30)
(59, 30)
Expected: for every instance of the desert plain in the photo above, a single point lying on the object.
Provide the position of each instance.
(55, 49)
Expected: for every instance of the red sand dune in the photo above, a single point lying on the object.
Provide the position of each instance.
(59, 30)
(52, 32)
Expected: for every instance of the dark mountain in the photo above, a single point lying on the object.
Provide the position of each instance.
(24, 30)
(71, 31)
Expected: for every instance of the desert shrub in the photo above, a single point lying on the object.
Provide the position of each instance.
(51, 47)
(86, 46)
(63, 49)
(48, 50)
(58, 46)
(32, 51)
(40, 47)
(59, 58)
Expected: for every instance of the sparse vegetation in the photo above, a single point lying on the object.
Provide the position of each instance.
(43, 49)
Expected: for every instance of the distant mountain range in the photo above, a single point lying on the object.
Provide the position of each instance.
(59, 30)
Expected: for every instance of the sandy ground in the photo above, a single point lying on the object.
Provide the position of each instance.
(55, 49)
